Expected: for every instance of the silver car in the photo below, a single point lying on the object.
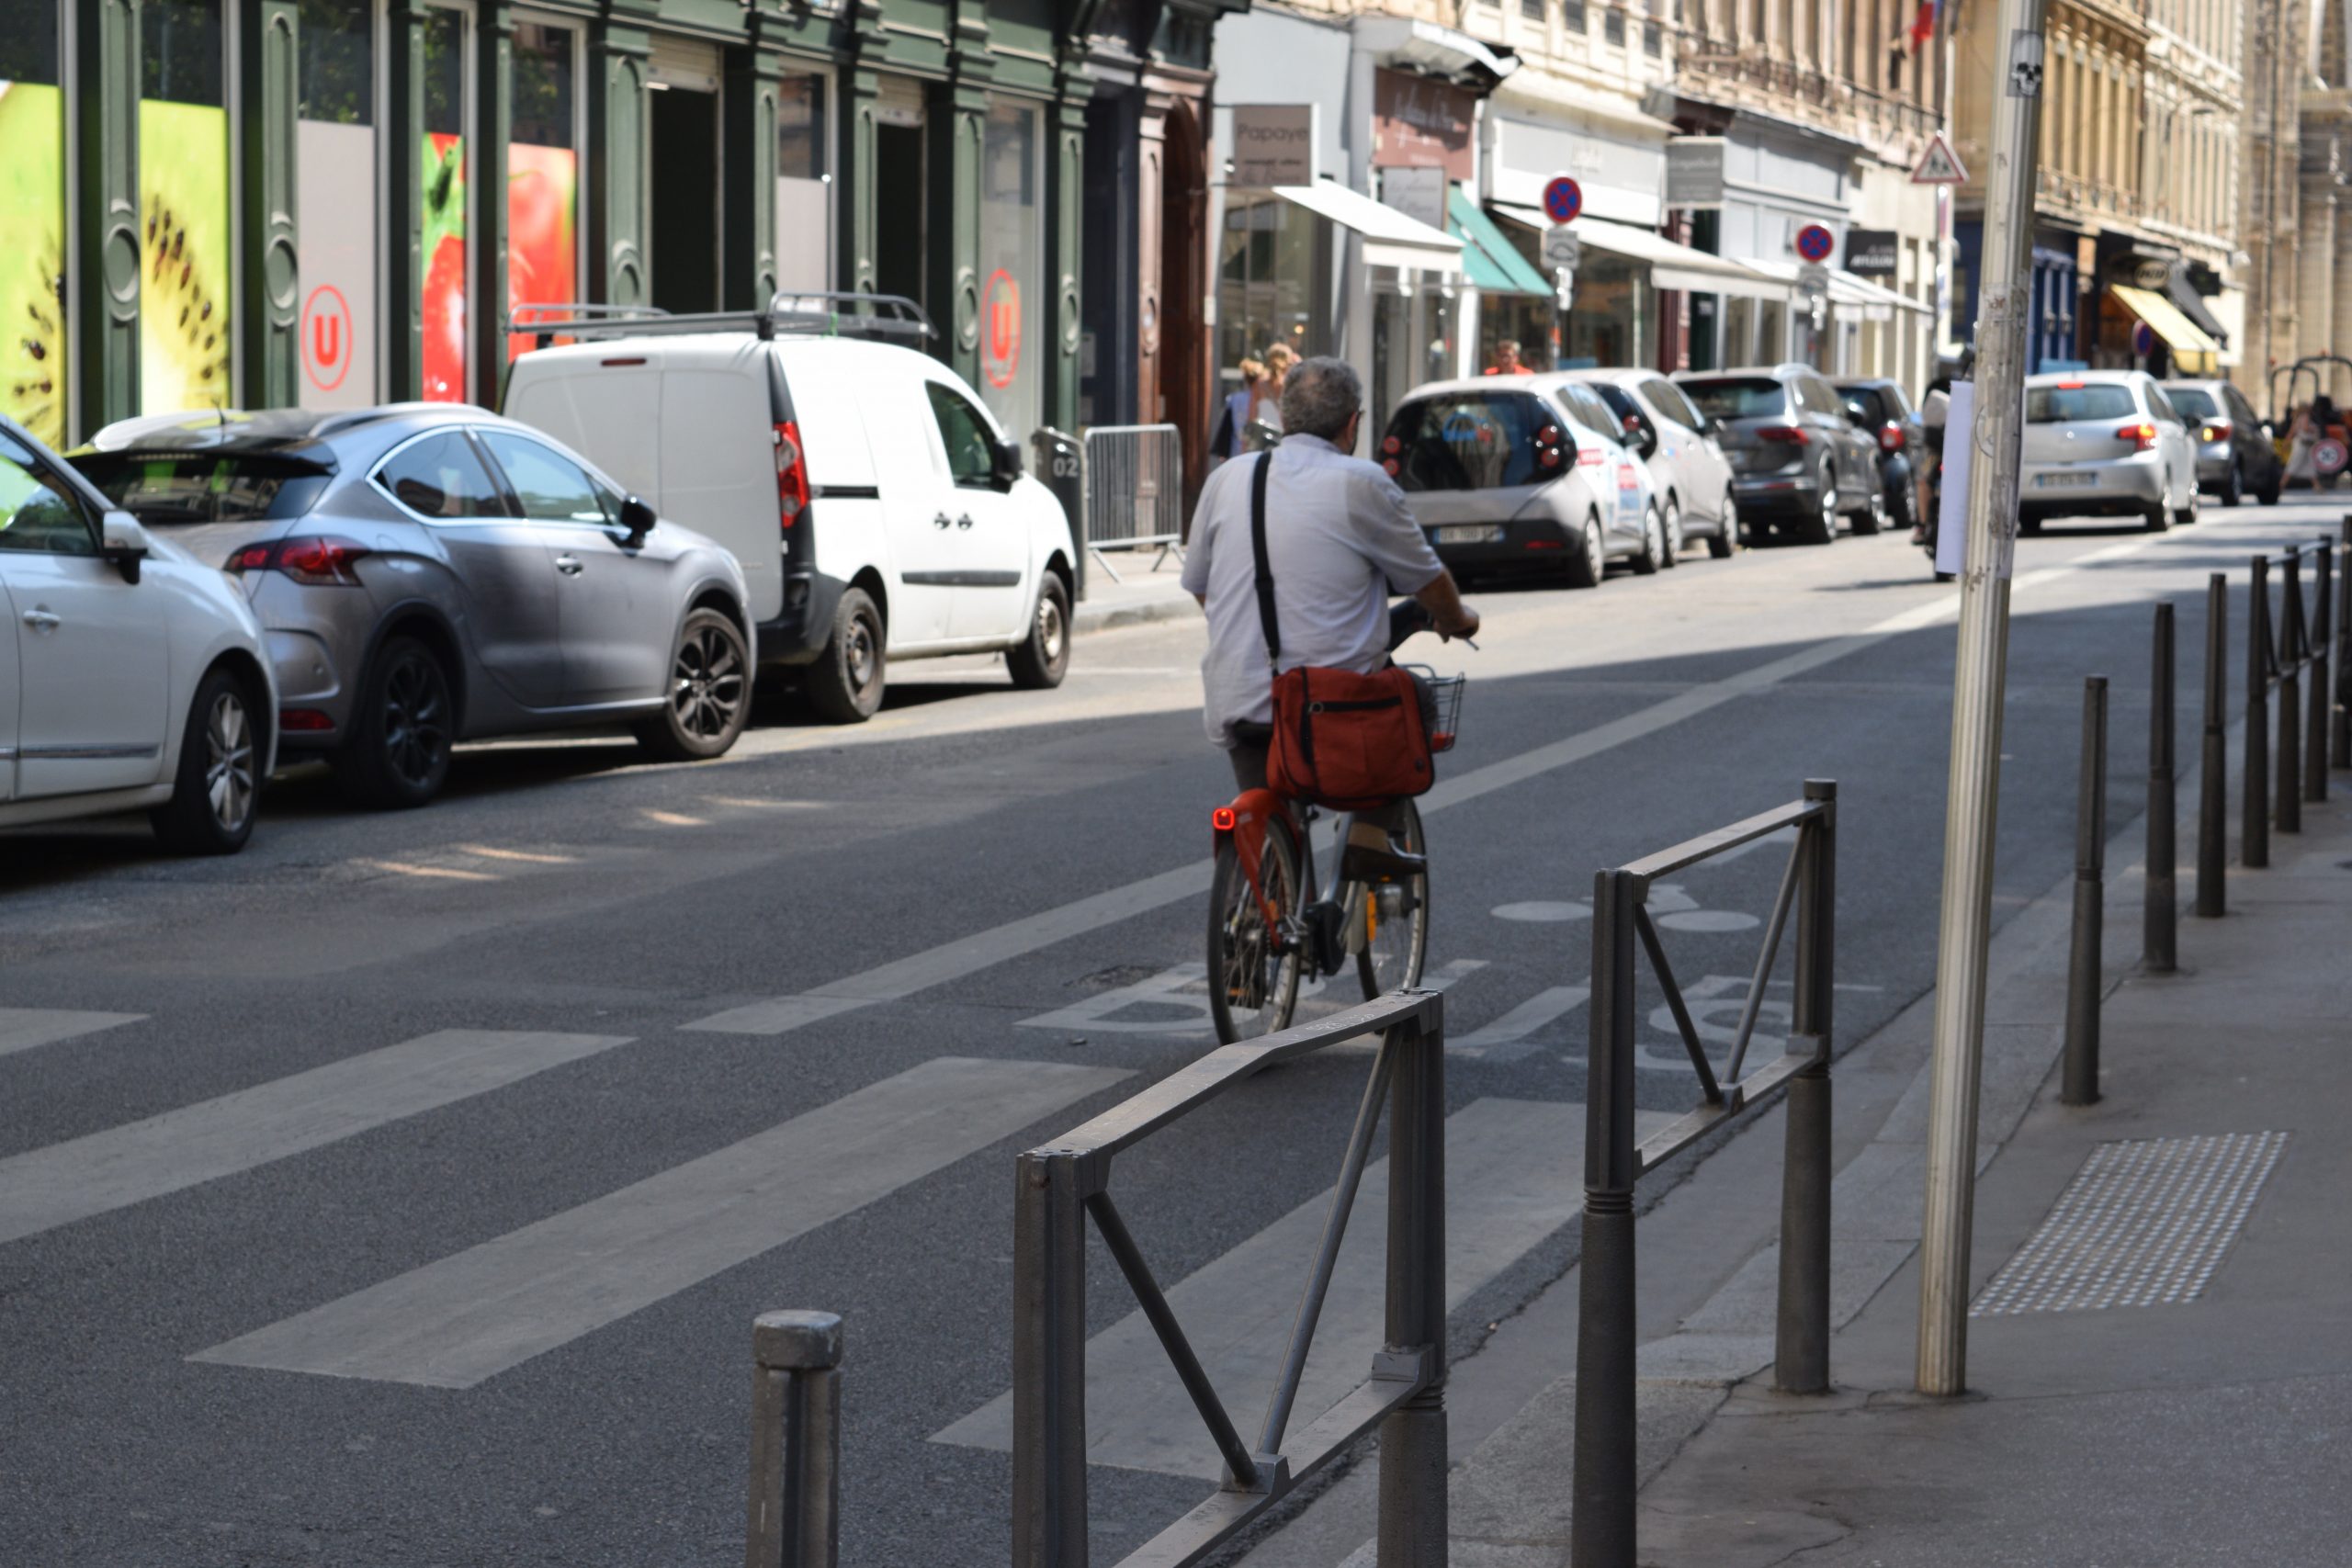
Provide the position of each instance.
(2104, 443)
(1687, 467)
(428, 573)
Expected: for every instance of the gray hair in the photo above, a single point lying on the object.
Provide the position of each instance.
(1320, 395)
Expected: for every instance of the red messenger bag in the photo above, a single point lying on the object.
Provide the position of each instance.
(1345, 742)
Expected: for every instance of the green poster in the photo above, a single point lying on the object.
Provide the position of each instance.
(32, 269)
(184, 354)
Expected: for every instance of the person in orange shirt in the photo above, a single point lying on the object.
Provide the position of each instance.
(1507, 361)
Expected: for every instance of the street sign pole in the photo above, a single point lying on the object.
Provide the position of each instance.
(1978, 679)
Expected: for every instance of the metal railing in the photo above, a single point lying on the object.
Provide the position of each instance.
(2278, 661)
(1063, 1184)
(1602, 1527)
(822, 313)
(1135, 490)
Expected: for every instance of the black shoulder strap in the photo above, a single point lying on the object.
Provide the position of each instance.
(1257, 554)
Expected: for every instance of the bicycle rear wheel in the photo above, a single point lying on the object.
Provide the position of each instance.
(1389, 923)
(1253, 977)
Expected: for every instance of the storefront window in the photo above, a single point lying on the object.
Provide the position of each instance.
(1267, 262)
(542, 174)
(1610, 319)
(445, 188)
(185, 286)
(1011, 267)
(1412, 341)
(335, 156)
(804, 206)
(32, 214)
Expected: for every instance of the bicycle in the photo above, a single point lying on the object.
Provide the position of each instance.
(1264, 940)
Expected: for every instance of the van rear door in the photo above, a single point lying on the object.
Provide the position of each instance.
(719, 461)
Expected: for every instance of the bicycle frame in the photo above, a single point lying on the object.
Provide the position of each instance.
(1252, 815)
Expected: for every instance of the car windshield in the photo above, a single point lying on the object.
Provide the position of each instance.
(1737, 397)
(2068, 401)
(185, 487)
(2194, 401)
(1475, 441)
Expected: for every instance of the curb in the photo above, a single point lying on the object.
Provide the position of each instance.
(1106, 617)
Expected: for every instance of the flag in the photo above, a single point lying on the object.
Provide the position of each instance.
(1923, 24)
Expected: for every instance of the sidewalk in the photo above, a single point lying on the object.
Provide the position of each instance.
(2211, 1428)
(1151, 592)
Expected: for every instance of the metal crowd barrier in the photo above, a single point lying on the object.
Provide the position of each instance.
(1134, 492)
(1058, 1186)
(1602, 1532)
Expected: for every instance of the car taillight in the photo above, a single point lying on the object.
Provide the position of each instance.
(2070, 386)
(2143, 437)
(1633, 424)
(791, 476)
(1793, 434)
(1889, 437)
(320, 562)
(1391, 467)
(1548, 453)
(2217, 430)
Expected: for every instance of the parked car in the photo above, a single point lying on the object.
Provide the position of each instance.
(1523, 476)
(133, 676)
(2104, 443)
(430, 574)
(1798, 464)
(1878, 406)
(1688, 470)
(878, 509)
(2235, 455)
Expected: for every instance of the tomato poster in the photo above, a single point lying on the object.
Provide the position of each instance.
(445, 267)
(542, 246)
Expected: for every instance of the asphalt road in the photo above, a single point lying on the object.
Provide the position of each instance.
(374, 1199)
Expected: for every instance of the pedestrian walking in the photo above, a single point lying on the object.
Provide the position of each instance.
(1228, 442)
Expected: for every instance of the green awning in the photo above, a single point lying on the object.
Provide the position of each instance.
(1489, 260)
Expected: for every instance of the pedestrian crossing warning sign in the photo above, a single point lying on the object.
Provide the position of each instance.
(1939, 166)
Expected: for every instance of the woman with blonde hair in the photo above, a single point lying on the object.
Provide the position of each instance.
(1238, 406)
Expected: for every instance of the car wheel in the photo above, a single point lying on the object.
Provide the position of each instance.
(846, 681)
(1673, 533)
(2234, 485)
(218, 786)
(1591, 565)
(709, 695)
(2268, 494)
(1822, 529)
(401, 732)
(1653, 550)
(2187, 515)
(2156, 518)
(1871, 518)
(1725, 539)
(1040, 660)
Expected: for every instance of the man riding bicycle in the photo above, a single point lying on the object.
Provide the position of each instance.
(1338, 540)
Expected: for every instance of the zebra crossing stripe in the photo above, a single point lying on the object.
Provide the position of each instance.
(21, 1028)
(42, 1189)
(1505, 1039)
(473, 1315)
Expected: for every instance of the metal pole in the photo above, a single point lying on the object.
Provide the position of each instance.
(1601, 1525)
(2158, 949)
(1801, 1351)
(2253, 807)
(796, 1441)
(2081, 1081)
(2339, 747)
(2213, 762)
(2288, 817)
(1048, 1362)
(2321, 698)
(1413, 1461)
(1980, 672)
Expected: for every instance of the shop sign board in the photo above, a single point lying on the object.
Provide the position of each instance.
(1420, 122)
(1419, 194)
(1874, 252)
(1273, 145)
(1694, 171)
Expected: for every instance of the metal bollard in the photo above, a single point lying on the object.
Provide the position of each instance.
(1601, 1523)
(2321, 698)
(2339, 745)
(2253, 807)
(1413, 1455)
(796, 1441)
(2159, 952)
(2289, 816)
(1801, 1346)
(2081, 1082)
(2212, 781)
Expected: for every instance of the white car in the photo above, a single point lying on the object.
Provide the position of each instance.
(1692, 476)
(877, 509)
(1523, 475)
(132, 675)
(2104, 443)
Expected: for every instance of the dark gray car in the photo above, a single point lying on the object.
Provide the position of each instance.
(2234, 456)
(428, 573)
(1879, 408)
(1797, 463)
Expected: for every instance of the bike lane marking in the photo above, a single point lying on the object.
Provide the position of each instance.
(970, 954)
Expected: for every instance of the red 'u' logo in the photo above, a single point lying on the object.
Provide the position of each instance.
(1000, 301)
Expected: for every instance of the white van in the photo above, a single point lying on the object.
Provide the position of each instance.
(875, 507)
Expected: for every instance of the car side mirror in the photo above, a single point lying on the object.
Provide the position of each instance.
(1646, 441)
(638, 518)
(1005, 468)
(123, 542)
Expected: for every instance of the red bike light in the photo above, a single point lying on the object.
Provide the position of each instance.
(1222, 820)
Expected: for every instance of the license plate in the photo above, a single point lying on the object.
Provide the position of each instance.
(2059, 481)
(1471, 534)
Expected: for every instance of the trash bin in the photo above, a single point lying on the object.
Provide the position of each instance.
(1061, 467)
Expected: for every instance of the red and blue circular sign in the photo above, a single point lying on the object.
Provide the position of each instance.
(1563, 198)
(1814, 242)
(2143, 339)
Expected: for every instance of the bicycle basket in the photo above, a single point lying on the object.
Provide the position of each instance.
(1441, 705)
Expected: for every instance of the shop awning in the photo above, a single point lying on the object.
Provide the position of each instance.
(1876, 304)
(2182, 292)
(1671, 265)
(1490, 262)
(1390, 239)
(2163, 318)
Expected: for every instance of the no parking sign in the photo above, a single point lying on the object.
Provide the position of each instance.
(1563, 198)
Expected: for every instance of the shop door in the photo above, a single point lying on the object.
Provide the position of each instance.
(685, 169)
(899, 208)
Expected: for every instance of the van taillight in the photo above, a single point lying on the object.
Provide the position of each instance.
(791, 476)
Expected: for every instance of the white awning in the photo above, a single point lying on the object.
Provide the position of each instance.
(1390, 238)
(1876, 304)
(1672, 266)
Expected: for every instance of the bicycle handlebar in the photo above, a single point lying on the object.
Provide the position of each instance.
(1408, 616)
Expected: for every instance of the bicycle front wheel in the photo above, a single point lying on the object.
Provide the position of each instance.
(1254, 970)
(1390, 922)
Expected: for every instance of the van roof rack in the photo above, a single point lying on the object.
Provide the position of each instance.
(814, 314)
